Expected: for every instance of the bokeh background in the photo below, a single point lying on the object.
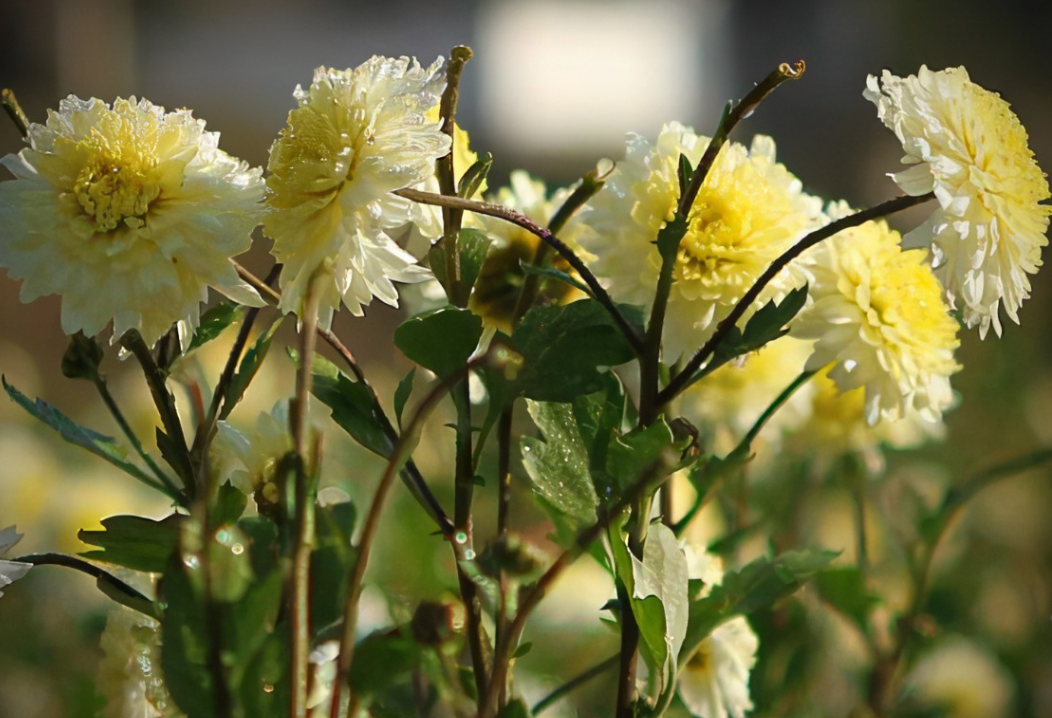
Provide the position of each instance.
(555, 84)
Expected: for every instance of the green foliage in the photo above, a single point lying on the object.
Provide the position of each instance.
(845, 589)
(757, 585)
(354, 407)
(214, 322)
(246, 370)
(402, 394)
(441, 340)
(102, 446)
(135, 542)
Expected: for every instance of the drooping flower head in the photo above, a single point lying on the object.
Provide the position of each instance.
(130, 214)
(964, 143)
(878, 312)
(357, 136)
(749, 211)
(502, 275)
(10, 571)
(714, 683)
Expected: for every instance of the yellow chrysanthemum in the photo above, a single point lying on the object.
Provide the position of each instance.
(357, 136)
(837, 423)
(878, 312)
(965, 144)
(501, 278)
(725, 404)
(750, 210)
(130, 214)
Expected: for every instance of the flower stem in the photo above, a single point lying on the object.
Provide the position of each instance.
(135, 599)
(166, 485)
(521, 220)
(165, 403)
(683, 379)
(446, 173)
(306, 488)
(411, 475)
(580, 679)
(399, 454)
(15, 111)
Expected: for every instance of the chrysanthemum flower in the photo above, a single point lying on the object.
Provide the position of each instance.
(715, 681)
(878, 312)
(130, 677)
(502, 276)
(749, 211)
(10, 571)
(965, 144)
(130, 214)
(357, 136)
(837, 424)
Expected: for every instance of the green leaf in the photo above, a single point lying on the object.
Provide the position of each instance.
(669, 236)
(402, 394)
(246, 370)
(599, 417)
(134, 542)
(758, 585)
(475, 176)
(474, 245)
(354, 407)
(381, 660)
(214, 322)
(331, 563)
(184, 643)
(229, 504)
(557, 274)
(516, 708)
(102, 446)
(558, 469)
(630, 455)
(685, 173)
(522, 650)
(566, 349)
(441, 340)
(845, 589)
(766, 325)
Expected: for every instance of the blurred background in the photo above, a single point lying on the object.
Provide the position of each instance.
(555, 84)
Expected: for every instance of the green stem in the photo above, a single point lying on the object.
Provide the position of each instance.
(101, 576)
(345, 657)
(166, 485)
(165, 403)
(684, 378)
(305, 473)
(446, 172)
(574, 683)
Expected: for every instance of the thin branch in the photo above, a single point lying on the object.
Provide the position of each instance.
(77, 564)
(579, 680)
(446, 173)
(402, 448)
(15, 111)
(521, 220)
(683, 379)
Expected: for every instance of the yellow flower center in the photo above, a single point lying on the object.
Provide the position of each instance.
(711, 242)
(906, 295)
(112, 192)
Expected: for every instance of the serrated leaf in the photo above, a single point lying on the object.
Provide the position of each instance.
(558, 469)
(402, 394)
(134, 542)
(757, 585)
(98, 444)
(631, 454)
(766, 325)
(354, 406)
(246, 370)
(564, 350)
(441, 340)
(214, 322)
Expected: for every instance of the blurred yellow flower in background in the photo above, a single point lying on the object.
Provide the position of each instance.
(964, 143)
(130, 214)
(357, 136)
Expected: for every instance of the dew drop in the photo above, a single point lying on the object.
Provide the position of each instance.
(469, 554)
(237, 549)
(267, 688)
(461, 537)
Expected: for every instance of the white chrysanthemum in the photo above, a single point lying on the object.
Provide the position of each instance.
(965, 144)
(130, 214)
(10, 571)
(727, 403)
(130, 676)
(749, 211)
(878, 312)
(501, 278)
(357, 136)
(714, 683)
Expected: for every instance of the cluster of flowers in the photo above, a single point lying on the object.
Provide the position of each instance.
(131, 213)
